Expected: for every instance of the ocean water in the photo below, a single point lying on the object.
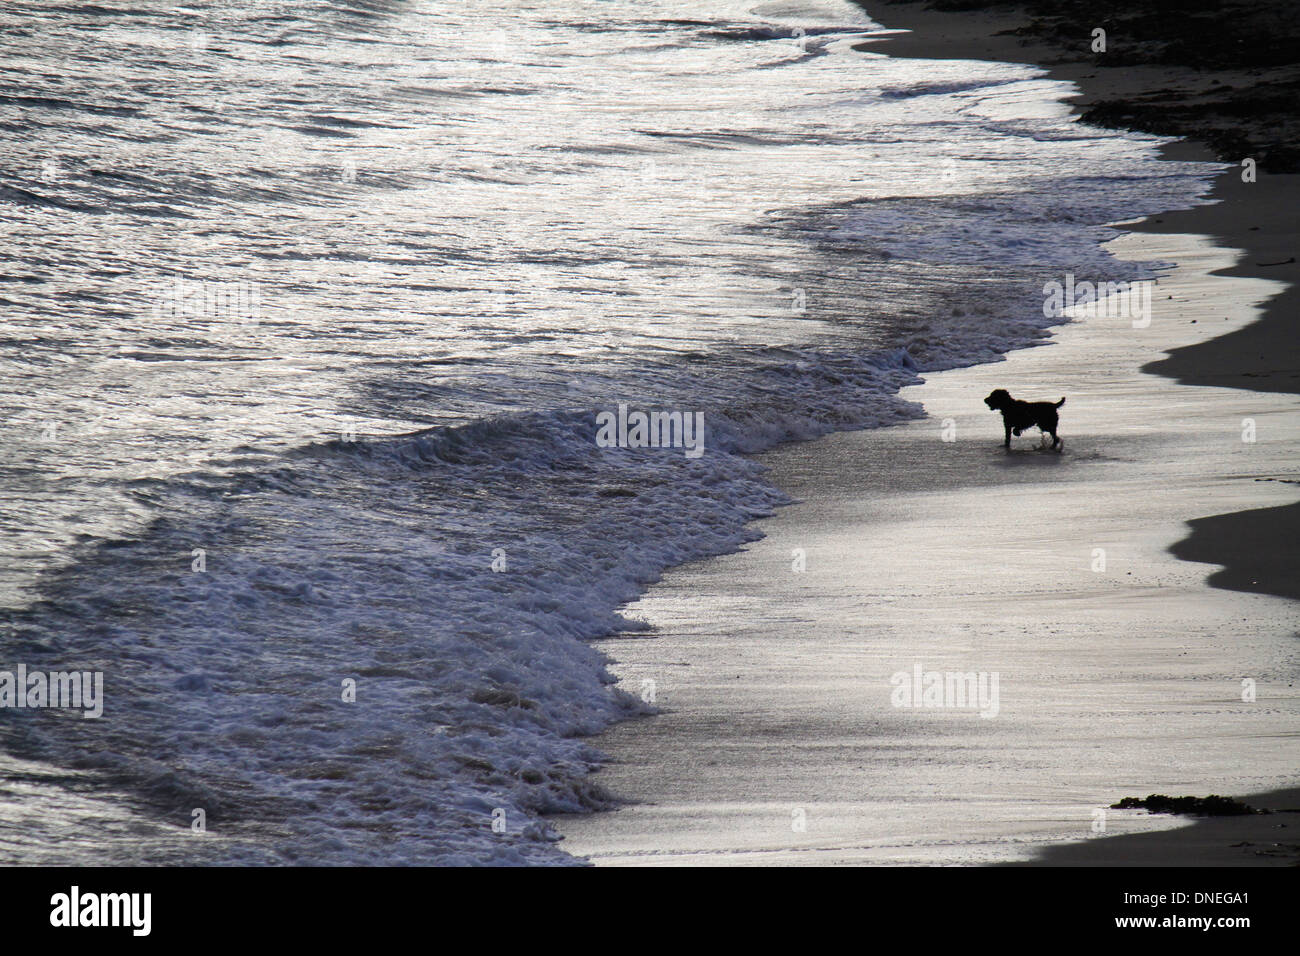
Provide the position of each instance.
(309, 312)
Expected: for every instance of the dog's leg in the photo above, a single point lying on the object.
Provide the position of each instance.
(1057, 444)
(1007, 442)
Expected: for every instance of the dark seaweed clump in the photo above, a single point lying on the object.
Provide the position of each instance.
(1211, 806)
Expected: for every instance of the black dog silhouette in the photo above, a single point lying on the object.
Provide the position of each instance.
(1018, 415)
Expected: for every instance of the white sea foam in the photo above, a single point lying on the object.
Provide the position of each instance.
(467, 242)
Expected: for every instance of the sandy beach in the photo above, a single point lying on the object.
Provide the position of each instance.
(775, 685)
(1120, 642)
(535, 435)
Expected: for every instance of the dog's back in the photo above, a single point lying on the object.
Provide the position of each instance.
(1018, 415)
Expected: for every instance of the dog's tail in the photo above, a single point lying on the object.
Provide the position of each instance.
(1060, 403)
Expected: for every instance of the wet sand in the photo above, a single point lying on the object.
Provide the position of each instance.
(958, 556)
(779, 742)
(1271, 839)
(1193, 96)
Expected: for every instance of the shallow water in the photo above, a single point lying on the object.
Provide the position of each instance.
(323, 299)
(1107, 666)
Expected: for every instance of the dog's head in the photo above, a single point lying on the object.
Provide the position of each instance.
(998, 399)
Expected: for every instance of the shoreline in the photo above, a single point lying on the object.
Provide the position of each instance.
(1224, 74)
(1264, 840)
(692, 633)
(775, 686)
(1257, 218)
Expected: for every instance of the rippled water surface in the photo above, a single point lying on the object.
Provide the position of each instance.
(308, 310)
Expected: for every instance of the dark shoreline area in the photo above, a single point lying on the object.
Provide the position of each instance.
(1257, 217)
(1225, 72)
(1166, 89)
